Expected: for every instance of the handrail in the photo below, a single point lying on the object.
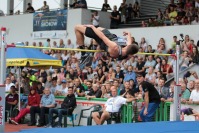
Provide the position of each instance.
(170, 79)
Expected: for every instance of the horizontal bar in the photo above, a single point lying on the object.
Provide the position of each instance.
(69, 49)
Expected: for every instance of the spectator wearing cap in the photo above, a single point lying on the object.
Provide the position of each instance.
(30, 9)
(47, 102)
(151, 99)
(8, 84)
(63, 90)
(33, 100)
(94, 93)
(11, 100)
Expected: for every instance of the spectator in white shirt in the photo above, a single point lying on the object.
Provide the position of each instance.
(44, 8)
(8, 84)
(95, 19)
(69, 44)
(196, 21)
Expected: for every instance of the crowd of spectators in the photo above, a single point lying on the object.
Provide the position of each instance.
(95, 78)
(180, 13)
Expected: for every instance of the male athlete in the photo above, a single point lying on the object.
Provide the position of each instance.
(107, 41)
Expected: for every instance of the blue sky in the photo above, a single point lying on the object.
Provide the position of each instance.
(18, 4)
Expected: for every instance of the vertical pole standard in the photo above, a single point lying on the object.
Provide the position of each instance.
(177, 88)
(2, 79)
(3, 59)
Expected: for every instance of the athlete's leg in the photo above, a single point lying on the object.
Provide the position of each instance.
(79, 32)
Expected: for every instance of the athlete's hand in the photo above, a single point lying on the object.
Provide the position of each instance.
(145, 111)
(125, 33)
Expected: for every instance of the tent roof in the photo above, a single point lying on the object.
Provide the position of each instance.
(30, 58)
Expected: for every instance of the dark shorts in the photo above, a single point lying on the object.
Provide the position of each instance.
(91, 34)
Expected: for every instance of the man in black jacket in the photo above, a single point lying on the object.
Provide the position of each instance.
(67, 108)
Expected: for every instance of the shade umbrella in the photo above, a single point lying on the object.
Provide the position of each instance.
(29, 57)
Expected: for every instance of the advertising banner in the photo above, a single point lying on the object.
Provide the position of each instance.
(50, 24)
(2, 108)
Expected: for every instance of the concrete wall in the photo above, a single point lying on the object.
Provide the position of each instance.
(20, 28)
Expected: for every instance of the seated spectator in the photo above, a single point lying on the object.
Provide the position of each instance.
(79, 89)
(196, 21)
(69, 44)
(191, 85)
(106, 6)
(61, 43)
(54, 86)
(104, 92)
(163, 90)
(194, 97)
(185, 44)
(188, 4)
(127, 90)
(144, 24)
(115, 18)
(40, 89)
(112, 105)
(158, 64)
(149, 63)
(185, 93)
(150, 49)
(94, 93)
(11, 100)
(185, 61)
(67, 107)
(81, 4)
(166, 69)
(143, 44)
(159, 76)
(195, 55)
(140, 66)
(130, 74)
(173, 14)
(33, 101)
(8, 84)
(30, 9)
(44, 8)
(150, 76)
(63, 90)
(47, 102)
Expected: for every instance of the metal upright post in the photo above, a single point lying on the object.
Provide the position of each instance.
(177, 88)
(2, 79)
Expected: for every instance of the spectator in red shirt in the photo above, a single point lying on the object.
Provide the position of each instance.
(33, 100)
